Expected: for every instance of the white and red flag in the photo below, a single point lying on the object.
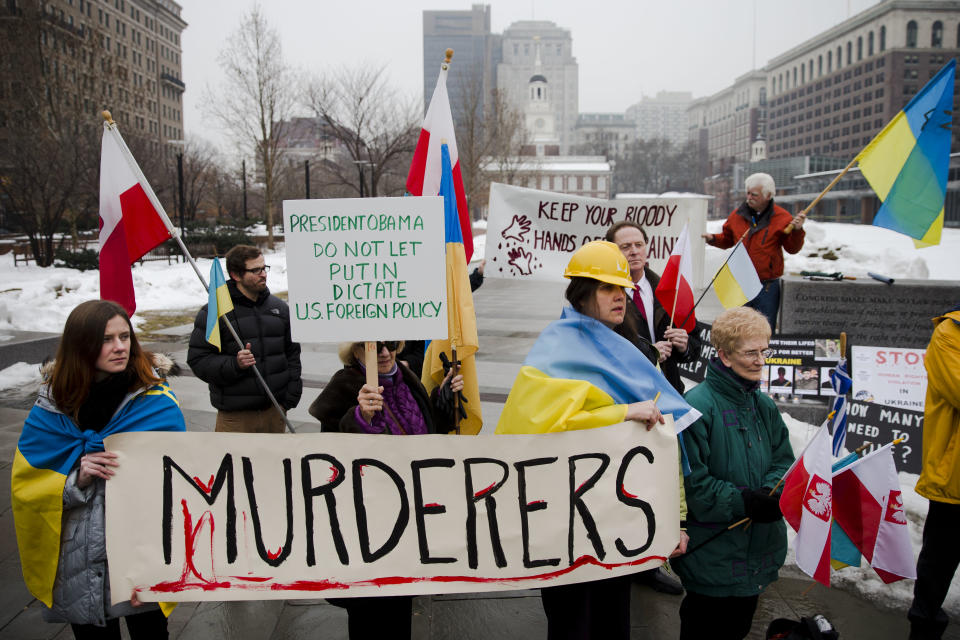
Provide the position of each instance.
(675, 291)
(425, 170)
(869, 508)
(130, 223)
(807, 505)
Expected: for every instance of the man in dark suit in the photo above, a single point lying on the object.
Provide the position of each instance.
(658, 338)
(666, 344)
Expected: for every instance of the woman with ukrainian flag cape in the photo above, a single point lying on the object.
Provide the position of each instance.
(580, 374)
(102, 383)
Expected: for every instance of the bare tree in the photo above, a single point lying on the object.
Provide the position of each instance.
(654, 166)
(199, 174)
(48, 144)
(490, 135)
(256, 98)
(375, 127)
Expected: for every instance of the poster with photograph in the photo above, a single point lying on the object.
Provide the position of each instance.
(891, 376)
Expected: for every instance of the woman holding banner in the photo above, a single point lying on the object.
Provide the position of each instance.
(101, 383)
(582, 373)
(398, 406)
(738, 452)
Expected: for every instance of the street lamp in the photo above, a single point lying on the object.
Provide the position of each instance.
(360, 165)
(181, 145)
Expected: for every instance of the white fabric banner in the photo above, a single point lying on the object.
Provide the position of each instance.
(531, 234)
(217, 516)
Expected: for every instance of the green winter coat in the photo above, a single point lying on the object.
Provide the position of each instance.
(739, 442)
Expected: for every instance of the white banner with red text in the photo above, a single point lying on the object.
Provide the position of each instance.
(218, 516)
(531, 234)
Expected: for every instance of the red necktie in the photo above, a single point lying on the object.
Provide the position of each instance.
(639, 302)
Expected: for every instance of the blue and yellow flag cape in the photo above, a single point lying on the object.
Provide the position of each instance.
(461, 317)
(218, 305)
(50, 446)
(579, 375)
(907, 162)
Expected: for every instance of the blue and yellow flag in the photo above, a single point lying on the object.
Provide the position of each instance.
(50, 446)
(461, 317)
(907, 162)
(579, 375)
(219, 304)
(843, 553)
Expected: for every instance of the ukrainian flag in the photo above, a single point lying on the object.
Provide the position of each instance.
(461, 317)
(580, 375)
(50, 446)
(907, 162)
(219, 304)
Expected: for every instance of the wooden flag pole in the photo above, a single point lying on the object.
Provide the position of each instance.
(789, 228)
(370, 362)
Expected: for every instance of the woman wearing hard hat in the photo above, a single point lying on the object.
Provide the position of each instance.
(583, 373)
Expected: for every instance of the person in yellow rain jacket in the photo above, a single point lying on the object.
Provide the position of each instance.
(939, 480)
(583, 373)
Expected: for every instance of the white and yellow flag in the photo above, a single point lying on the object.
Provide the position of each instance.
(738, 282)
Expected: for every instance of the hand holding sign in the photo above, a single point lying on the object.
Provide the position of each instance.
(520, 259)
(519, 227)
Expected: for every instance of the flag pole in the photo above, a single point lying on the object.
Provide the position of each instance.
(739, 242)
(111, 126)
(787, 230)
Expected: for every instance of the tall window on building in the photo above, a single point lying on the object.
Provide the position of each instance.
(936, 35)
(859, 48)
(912, 34)
(849, 53)
(870, 44)
(839, 57)
(829, 61)
(883, 38)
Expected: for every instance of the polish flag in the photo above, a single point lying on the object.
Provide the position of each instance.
(869, 508)
(675, 291)
(807, 506)
(130, 224)
(424, 176)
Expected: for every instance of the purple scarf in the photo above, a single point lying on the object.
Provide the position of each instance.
(398, 399)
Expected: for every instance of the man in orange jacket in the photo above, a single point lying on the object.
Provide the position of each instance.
(764, 224)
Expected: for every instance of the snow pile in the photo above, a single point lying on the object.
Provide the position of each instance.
(854, 249)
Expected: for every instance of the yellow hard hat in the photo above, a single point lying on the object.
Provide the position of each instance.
(600, 260)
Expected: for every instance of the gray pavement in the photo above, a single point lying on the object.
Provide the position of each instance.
(510, 315)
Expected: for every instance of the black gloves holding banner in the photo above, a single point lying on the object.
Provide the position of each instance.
(760, 506)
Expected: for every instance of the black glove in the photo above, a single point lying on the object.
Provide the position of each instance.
(760, 506)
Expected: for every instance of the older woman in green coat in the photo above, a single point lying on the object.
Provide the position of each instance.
(738, 451)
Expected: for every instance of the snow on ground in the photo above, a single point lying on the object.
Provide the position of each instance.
(859, 249)
(35, 299)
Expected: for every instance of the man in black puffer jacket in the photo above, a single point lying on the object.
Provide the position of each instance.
(263, 322)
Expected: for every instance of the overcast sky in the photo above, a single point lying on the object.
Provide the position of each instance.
(625, 48)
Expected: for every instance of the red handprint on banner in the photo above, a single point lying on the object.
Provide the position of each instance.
(519, 227)
(520, 260)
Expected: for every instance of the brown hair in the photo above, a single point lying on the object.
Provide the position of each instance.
(80, 346)
(237, 258)
(581, 291)
(733, 326)
(616, 226)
